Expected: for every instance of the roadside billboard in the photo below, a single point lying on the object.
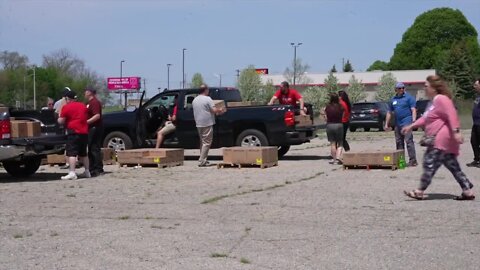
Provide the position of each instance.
(123, 83)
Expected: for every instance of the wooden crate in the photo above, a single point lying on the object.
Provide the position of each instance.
(243, 103)
(108, 155)
(33, 129)
(261, 156)
(379, 158)
(148, 156)
(55, 159)
(303, 120)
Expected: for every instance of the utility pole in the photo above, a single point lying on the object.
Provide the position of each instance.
(183, 67)
(295, 59)
(238, 75)
(168, 76)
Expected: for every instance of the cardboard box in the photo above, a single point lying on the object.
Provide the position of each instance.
(250, 155)
(18, 129)
(56, 159)
(33, 129)
(303, 120)
(150, 156)
(219, 104)
(243, 103)
(378, 158)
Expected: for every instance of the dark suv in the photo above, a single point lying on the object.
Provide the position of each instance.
(368, 115)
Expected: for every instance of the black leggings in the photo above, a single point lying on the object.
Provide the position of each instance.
(346, 146)
(433, 159)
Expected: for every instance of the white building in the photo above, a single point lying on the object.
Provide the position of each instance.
(414, 80)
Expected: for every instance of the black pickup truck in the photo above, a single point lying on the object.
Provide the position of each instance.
(21, 157)
(240, 126)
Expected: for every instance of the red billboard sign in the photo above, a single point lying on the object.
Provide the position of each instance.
(124, 83)
(262, 71)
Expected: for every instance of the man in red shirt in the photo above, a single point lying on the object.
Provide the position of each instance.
(74, 116)
(287, 96)
(95, 131)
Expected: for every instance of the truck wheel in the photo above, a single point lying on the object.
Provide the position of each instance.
(22, 168)
(117, 140)
(282, 150)
(252, 137)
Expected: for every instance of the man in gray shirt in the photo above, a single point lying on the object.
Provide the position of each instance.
(204, 112)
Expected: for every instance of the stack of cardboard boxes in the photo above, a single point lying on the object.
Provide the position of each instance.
(149, 156)
(22, 128)
(243, 103)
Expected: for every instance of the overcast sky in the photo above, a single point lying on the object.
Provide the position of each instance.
(220, 36)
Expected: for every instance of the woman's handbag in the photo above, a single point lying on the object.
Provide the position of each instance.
(429, 140)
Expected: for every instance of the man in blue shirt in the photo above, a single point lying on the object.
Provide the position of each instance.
(475, 137)
(403, 107)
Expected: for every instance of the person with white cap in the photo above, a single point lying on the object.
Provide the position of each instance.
(403, 107)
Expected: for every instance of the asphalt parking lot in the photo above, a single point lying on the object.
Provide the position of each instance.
(302, 214)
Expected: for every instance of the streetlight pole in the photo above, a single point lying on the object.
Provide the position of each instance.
(183, 68)
(121, 75)
(168, 76)
(34, 90)
(295, 59)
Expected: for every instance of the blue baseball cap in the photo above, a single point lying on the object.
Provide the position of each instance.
(399, 85)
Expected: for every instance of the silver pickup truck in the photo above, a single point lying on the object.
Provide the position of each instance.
(21, 157)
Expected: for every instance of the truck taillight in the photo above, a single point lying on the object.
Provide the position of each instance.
(289, 118)
(374, 111)
(5, 129)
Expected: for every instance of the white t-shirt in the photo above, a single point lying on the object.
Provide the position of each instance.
(202, 111)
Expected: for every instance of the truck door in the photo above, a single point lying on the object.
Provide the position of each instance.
(187, 133)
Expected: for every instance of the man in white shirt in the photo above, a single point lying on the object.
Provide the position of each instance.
(204, 112)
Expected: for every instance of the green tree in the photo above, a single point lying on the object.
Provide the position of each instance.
(331, 84)
(458, 69)
(300, 73)
(431, 36)
(333, 70)
(317, 96)
(348, 67)
(197, 80)
(355, 90)
(250, 84)
(378, 65)
(267, 91)
(385, 87)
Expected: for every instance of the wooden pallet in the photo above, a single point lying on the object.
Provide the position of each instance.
(154, 165)
(369, 167)
(238, 165)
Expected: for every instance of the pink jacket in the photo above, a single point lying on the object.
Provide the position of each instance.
(441, 118)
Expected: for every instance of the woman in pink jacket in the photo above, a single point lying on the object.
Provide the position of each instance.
(440, 120)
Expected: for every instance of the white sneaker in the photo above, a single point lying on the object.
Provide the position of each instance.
(85, 174)
(70, 176)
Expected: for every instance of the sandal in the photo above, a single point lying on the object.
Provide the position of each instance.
(464, 197)
(414, 195)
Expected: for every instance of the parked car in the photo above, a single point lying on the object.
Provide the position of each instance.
(421, 106)
(368, 115)
(256, 125)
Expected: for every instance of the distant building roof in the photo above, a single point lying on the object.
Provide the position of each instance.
(367, 78)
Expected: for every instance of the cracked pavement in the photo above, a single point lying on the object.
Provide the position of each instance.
(302, 214)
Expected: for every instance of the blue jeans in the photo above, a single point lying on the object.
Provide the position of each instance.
(401, 139)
